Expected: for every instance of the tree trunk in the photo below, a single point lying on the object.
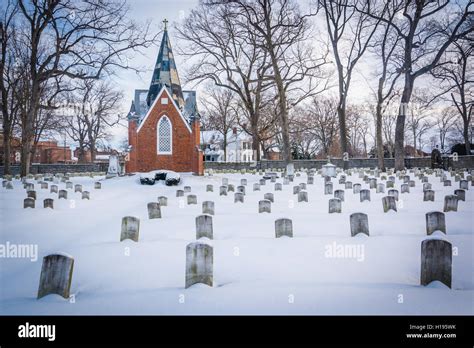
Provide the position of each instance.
(25, 155)
(283, 113)
(81, 153)
(400, 126)
(465, 134)
(93, 150)
(379, 139)
(6, 150)
(341, 113)
(225, 147)
(414, 144)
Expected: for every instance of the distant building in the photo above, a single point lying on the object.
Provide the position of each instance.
(47, 152)
(238, 149)
(100, 156)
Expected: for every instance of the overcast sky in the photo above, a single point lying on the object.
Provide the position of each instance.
(175, 11)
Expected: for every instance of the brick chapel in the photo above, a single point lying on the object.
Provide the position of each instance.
(163, 122)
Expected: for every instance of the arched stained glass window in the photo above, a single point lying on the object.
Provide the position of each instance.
(165, 136)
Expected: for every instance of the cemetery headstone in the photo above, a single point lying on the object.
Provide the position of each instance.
(359, 224)
(130, 228)
(264, 206)
(192, 199)
(154, 210)
(204, 226)
(335, 205)
(450, 203)
(302, 196)
(56, 275)
(208, 207)
(283, 227)
(28, 203)
(435, 221)
(389, 203)
(48, 203)
(436, 261)
(364, 195)
(428, 195)
(199, 264)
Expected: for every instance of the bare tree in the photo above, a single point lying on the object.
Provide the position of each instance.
(93, 108)
(427, 29)
(456, 75)
(322, 121)
(350, 34)
(387, 42)
(229, 56)
(75, 40)
(283, 32)
(220, 112)
(358, 129)
(444, 124)
(10, 74)
(418, 122)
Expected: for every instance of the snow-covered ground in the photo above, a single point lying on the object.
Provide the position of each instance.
(254, 272)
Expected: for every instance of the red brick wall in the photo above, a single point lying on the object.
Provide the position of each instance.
(58, 154)
(144, 156)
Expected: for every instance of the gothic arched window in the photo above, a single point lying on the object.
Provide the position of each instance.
(164, 136)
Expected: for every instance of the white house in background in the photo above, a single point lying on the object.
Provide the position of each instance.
(239, 146)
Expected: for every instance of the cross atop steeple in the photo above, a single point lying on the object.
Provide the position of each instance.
(165, 22)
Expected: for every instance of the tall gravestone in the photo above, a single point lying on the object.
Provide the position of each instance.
(461, 194)
(283, 227)
(154, 210)
(114, 167)
(192, 199)
(328, 188)
(56, 275)
(269, 196)
(436, 261)
(48, 203)
(130, 228)
(28, 203)
(163, 200)
(335, 205)
(302, 196)
(199, 264)
(435, 221)
(208, 207)
(359, 224)
(389, 203)
(364, 195)
(450, 203)
(238, 197)
(264, 206)
(428, 195)
(339, 194)
(204, 226)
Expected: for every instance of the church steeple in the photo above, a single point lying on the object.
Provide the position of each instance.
(165, 73)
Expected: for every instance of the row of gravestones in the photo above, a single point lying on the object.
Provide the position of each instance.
(29, 202)
(388, 202)
(56, 274)
(436, 255)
